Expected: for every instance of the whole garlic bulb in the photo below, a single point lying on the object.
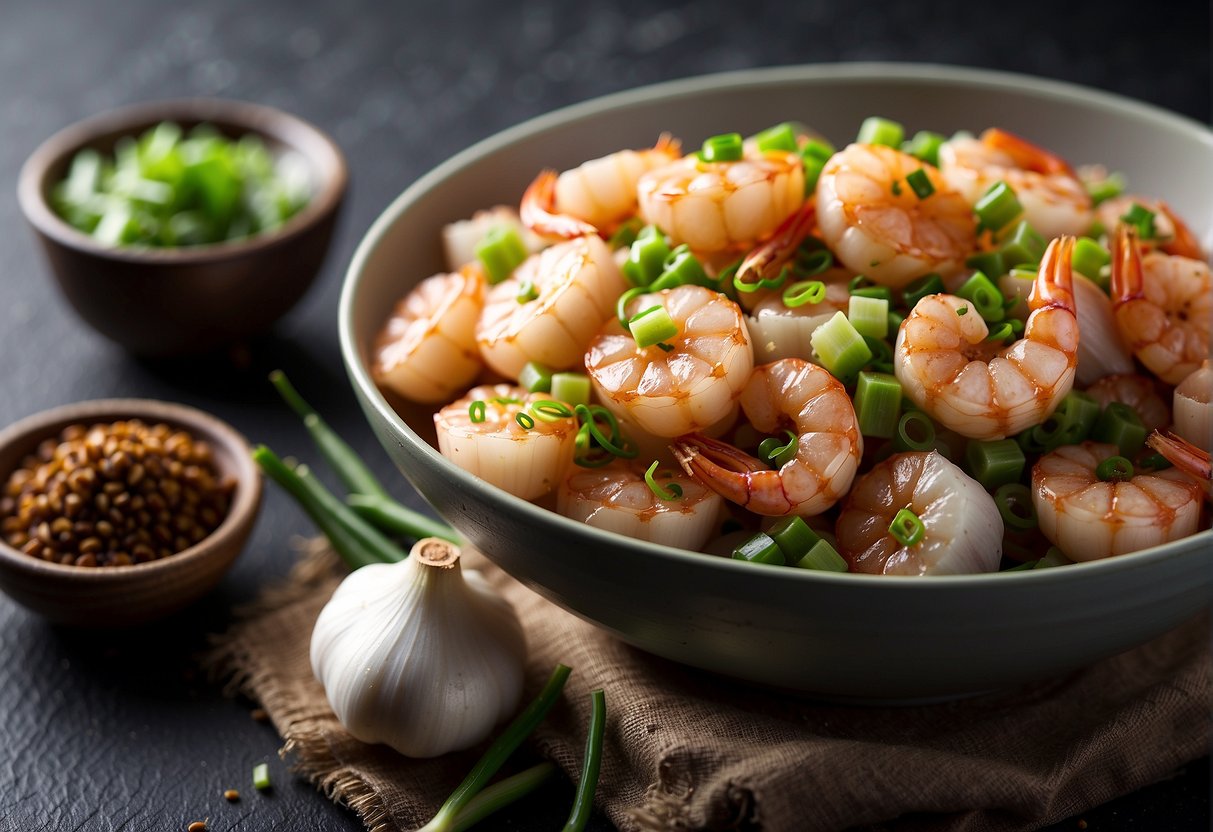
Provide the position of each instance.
(419, 654)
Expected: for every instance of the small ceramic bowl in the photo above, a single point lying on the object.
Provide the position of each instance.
(876, 638)
(172, 301)
(116, 596)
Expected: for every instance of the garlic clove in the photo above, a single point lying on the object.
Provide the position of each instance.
(419, 655)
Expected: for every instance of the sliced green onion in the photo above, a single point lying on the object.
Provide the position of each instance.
(760, 549)
(476, 412)
(625, 300)
(1022, 245)
(803, 292)
(727, 147)
(924, 146)
(881, 349)
(812, 171)
(840, 347)
(995, 463)
(535, 377)
(1114, 469)
(778, 452)
(626, 234)
(1155, 462)
(869, 316)
(549, 410)
(822, 557)
(646, 257)
(794, 537)
(895, 320)
(877, 130)
(504, 400)
(500, 251)
(877, 404)
(527, 291)
(679, 269)
(1142, 218)
(915, 432)
(961, 311)
(1001, 333)
(929, 284)
(261, 777)
(818, 149)
(878, 292)
(671, 491)
(987, 262)
(571, 388)
(907, 529)
(1113, 185)
(1078, 413)
(615, 444)
(763, 283)
(583, 802)
(780, 137)
(998, 206)
(985, 296)
(814, 262)
(1014, 502)
(1089, 259)
(920, 183)
(524, 420)
(652, 326)
(1120, 425)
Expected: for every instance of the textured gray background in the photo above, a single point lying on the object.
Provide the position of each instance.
(113, 731)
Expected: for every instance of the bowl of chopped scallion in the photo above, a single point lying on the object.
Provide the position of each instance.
(180, 226)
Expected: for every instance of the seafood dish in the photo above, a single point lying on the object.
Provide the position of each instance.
(922, 355)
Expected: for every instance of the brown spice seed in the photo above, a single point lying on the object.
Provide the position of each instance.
(231, 795)
(196, 826)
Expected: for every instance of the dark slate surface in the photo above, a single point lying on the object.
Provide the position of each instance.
(113, 731)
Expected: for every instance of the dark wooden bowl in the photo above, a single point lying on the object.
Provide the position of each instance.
(117, 596)
(175, 301)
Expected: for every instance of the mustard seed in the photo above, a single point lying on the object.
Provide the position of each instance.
(231, 795)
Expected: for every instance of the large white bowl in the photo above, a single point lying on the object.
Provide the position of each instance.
(878, 638)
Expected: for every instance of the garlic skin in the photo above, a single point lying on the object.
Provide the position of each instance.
(419, 654)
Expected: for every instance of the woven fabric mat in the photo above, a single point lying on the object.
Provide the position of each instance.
(689, 750)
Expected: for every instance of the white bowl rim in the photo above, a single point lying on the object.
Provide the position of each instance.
(938, 74)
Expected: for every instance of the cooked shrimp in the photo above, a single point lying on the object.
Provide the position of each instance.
(1186, 457)
(983, 390)
(528, 462)
(594, 197)
(962, 527)
(780, 331)
(617, 498)
(459, 239)
(722, 206)
(1089, 518)
(791, 393)
(1163, 305)
(574, 284)
(1171, 234)
(1138, 392)
(1193, 406)
(1101, 350)
(876, 224)
(427, 350)
(1054, 200)
(687, 387)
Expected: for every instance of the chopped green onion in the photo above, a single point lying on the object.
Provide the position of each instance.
(877, 404)
(840, 347)
(727, 147)
(881, 349)
(1120, 425)
(778, 452)
(794, 537)
(1113, 185)
(987, 262)
(524, 420)
(1078, 413)
(920, 183)
(998, 206)
(1142, 218)
(504, 400)
(671, 491)
(879, 292)
(476, 412)
(535, 377)
(527, 291)
(985, 296)
(646, 257)
(813, 156)
(763, 283)
(780, 137)
(877, 130)
(615, 444)
(929, 284)
(1014, 502)
(995, 463)
(1089, 259)
(583, 801)
(924, 146)
(810, 263)
(652, 326)
(571, 388)
(896, 188)
(802, 292)
(549, 410)
(625, 300)
(869, 316)
(818, 149)
(626, 234)
(500, 251)
(1001, 333)
(907, 528)
(680, 268)
(261, 777)
(895, 319)
(1155, 462)
(1022, 245)
(915, 432)
(1114, 469)
(760, 549)
(1053, 557)
(822, 557)
(961, 311)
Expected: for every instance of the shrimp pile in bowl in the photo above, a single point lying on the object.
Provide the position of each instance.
(919, 356)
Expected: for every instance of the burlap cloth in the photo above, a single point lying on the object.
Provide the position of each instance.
(689, 750)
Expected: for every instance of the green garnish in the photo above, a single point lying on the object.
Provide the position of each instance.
(670, 491)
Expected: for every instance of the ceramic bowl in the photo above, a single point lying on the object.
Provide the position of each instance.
(833, 635)
(173, 301)
(117, 596)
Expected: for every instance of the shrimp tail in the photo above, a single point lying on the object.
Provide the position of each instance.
(1183, 242)
(1185, 456)
(1128, 281)
(669, 146)
(538, 211)
(1025, 154)
(1054, 285)
(765, 261)
(733, 474)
